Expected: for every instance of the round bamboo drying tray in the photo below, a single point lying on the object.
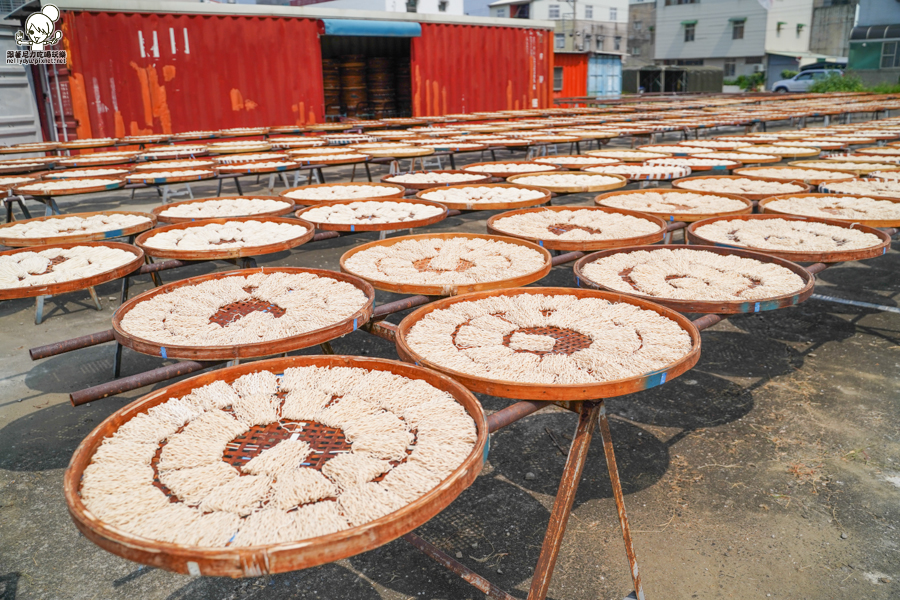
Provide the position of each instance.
(571, 166)
(490, 205)
(823, 188)
(87, 143)
(29, 147)
(395, 226)
(81, 237)
(550, 393)
(285, 130)
(398, 192)
(292, 143)
(787, 152)
(813, 142)
(506, 142)
(305, 340)
(764, 208)
(697, 168)
(252, 561)
(16, 168)
(451, 290)
(90, 160)
(539, 140)
(411, 152)
(8, 186)
(880, 151)
(193, 163)
(731, 145)
(454, 147)
(249, 168)
(622, 182)
(582, 245)
(112, 185)
(225, 148)
(195, 135)
(749, 196)
(59, 174)
(148, 177)
(750, 158)
(242, 132)
(707, 306)
(145, 139)
(673, 173)
(426, 186)
(54, 289)
(831, 256)
(330, 126)
(173, 153)
(687, 217)
(857, 171)
(157, 212)
(319, 150)
(306, 159)
(224, 253)
(630, 158)
(505, 174)
(750, 172)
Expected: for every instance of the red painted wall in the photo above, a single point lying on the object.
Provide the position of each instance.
(191, 72)
(575, 74)
(468, 68)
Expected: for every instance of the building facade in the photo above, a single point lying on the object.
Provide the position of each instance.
(875, 42)
(449, 7)
(741, 37)
(641, 32)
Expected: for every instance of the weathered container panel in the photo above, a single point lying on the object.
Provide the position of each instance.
(135, 73)
(574, 75)
(467, 68)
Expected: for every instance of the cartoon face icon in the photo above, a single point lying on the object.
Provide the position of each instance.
(40, 29)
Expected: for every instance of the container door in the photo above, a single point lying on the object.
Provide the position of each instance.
(19, 120)
(604, 75)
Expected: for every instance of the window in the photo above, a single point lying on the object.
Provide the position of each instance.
(689, 32)
(442, 6)
(412, 5)
(671, 2)
(729, 68)
(618, 43)
(599, 43)
(560, 40)
(553, 11)
(803, 77)
(889, 55)
(636, 51)
(613, 14)
(501, 12)
(638, 25)
(588, 11)
(737, 30)
(753, 60)
(557, 79)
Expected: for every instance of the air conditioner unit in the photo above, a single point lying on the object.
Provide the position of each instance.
(760, 68)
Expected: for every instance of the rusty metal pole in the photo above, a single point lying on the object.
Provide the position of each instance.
(610, 454)
(562, 506)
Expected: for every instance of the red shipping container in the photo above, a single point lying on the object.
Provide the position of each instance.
(575, 75)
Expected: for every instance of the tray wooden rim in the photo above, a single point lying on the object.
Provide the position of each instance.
(74, 162)
(426, 186)
(400, 191)
(536, 391)
(148, 180)
(87, 237)
(398, 152)
(670, 176)
(262, 147)
(246, 561)
(258, 349)
(16, 169)
(797, 255)
(750, 160)
(74, 285)
(823, 187)
(575, 189)
(397, 226)
(467, 168)
(49, 175)
(491, 205)
(113, 184)
(763, 208)
(242, 252)
(243, 168)
(158, 210)
(687, 218)
(606, 154)
(748, 196)
(855, 172)
(786, 180)
(707, 306)
(573, 166)
(783, 155)
(584, 245)
(456, 290)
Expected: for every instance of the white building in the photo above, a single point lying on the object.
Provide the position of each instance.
(449, 7)
(739, 36)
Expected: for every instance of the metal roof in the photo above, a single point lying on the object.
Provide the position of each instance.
(267, 10)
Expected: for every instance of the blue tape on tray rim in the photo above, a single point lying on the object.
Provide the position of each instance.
(113, 234)
(162, 352)
(487, 447)
(354, 324)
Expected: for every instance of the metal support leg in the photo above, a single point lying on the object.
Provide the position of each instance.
(94, 297)
(39, 309)
(326, 348)
(610, 454)
(353, 173)
(237, 184)
(562, 506)
(368, 172)
(157, 280)
(219, 191)
(320, 176)
(452, 162)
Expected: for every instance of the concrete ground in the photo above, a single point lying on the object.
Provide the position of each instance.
(770, 470)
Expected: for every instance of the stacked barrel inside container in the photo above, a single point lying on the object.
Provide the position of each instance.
(382, 97)
(403, 87)
(331, 76)
(353, 84)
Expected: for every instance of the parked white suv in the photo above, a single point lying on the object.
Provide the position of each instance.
(803, 80)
